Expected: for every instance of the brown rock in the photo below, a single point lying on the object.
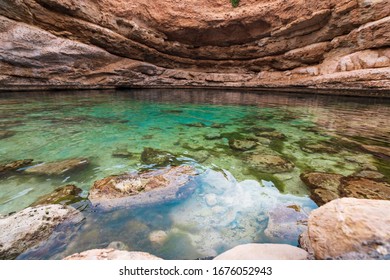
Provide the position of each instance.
(324, 187)
(269, 163)
(111, 254)
(349, 228)
(63, 195)
(31, 226)
(143, 188)
(263, 252)
(15, 165)
(57, 168)
(364, 188)
(379, 150)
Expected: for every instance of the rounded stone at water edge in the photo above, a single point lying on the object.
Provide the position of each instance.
(111, 254)
(263, 252)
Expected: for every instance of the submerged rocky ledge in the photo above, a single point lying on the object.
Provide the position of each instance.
(324, 46)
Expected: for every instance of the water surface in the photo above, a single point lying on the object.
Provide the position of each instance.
(232, 204)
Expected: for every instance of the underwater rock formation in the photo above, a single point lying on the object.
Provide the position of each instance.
(14, 165)
(349, 228)
(29, 227)
(150, 187)
(309, 45)
(57, 168)
(326, 187)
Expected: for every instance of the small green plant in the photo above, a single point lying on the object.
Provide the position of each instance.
(235, 3)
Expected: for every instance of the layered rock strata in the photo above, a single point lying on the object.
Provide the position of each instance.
(308, 45)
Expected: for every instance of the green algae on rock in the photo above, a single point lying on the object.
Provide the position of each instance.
(62, 195)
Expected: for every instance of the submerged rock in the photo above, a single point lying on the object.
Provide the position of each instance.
(377, 150)
(269, 163)
(118, 245)
(364, 188)
(322, 147)
(6, 134)
(369, 174)
(324, 187)
(14, 165)
(197, 124)
(285, 224)
(29, 227)
(157, 157)
(111, 254)
(121, 153)
(242, 145)
(213, 136)
(63, 195)
(150, 187)
(349, 228)
(57, 168)
(273, 135)
(263, 252)
(158, 237)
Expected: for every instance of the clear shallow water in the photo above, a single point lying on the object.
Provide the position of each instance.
(232, 204)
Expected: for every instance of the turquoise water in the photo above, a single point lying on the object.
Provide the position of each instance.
(232, 204)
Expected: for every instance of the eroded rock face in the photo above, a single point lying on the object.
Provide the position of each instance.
(150, 187)
(311, 44)
(31, 226)
(111, 254)
(263, 252)
(349, 228)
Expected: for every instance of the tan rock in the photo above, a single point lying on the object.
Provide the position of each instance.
(263, 252)
(111, 254)
(364, 188)
(63, 195)
(349, 228)
(31, 226)
(150, 187)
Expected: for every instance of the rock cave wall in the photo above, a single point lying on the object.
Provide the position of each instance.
(330, 46)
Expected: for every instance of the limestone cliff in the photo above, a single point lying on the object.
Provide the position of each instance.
(300, 44)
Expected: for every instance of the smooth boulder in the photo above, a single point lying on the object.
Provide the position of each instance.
(57, 168)
(349, 228)
(254, 251)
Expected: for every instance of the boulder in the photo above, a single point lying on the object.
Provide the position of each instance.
(377, 150)
(213, 136)
(156, 186)
(349, 228)
(111, 254)
(263, 252)
(57, 168)
(269, 163)
(14, 165)
(63, 195)
(242, 145)
(29, 227)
